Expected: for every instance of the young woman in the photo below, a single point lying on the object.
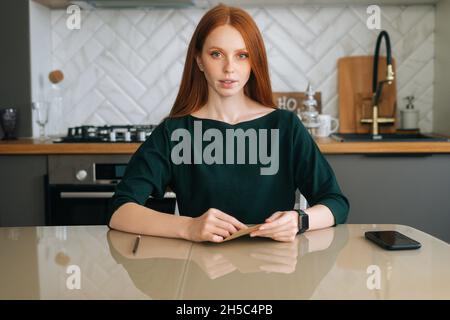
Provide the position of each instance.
(221, 183)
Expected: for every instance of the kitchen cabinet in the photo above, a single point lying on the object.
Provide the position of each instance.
(62, 4)
(22, 190)
(408, 189)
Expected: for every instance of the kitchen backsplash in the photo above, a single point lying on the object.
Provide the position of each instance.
(125, 66)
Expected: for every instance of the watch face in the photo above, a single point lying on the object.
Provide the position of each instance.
(303, 221)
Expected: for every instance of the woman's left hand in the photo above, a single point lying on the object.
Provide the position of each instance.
(281, 226)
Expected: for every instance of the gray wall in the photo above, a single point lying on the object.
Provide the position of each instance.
(15, 88)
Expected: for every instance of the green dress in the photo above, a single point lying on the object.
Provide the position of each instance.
(239, 187)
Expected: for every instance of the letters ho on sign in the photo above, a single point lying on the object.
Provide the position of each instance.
(293, 101)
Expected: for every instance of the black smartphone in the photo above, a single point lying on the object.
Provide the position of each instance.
(392, 240)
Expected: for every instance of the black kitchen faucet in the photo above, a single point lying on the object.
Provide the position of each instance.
(377, 86)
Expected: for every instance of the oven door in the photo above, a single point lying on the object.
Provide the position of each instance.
(89, 204)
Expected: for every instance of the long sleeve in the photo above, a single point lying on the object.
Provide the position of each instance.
(147, 173)
(314, 176)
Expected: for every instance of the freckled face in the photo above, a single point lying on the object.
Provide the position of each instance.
(224, 56)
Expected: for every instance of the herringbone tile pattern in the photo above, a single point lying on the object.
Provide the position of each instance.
(125, 66)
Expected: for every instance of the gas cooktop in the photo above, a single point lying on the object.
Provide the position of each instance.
(113, 133)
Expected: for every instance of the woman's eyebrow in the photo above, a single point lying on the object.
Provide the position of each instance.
(244, 49)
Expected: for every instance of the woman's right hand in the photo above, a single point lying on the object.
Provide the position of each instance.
(214, 225)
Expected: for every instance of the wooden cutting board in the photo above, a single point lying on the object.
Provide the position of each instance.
(355, 95)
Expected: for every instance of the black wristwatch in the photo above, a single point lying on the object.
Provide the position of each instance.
(303, 221)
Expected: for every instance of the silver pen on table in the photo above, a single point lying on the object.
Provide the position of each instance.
(136, 244)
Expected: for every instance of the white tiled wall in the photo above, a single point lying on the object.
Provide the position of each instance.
(125, 66)
(40, 57)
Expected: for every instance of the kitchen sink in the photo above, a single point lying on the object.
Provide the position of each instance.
(386, 137)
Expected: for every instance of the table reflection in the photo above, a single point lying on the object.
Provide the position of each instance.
(157, 266)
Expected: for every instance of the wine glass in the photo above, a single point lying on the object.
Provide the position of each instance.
(41, 111)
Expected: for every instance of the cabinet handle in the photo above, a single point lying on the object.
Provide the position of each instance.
(100, 195)
(397, 155)
(90, 195)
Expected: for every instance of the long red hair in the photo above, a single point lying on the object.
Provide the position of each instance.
(193, 92)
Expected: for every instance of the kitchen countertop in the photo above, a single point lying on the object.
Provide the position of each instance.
(93, 262)
(326, 145)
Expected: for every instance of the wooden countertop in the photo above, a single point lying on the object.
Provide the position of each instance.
(331, 263)
(36, 146)
(28, 146)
